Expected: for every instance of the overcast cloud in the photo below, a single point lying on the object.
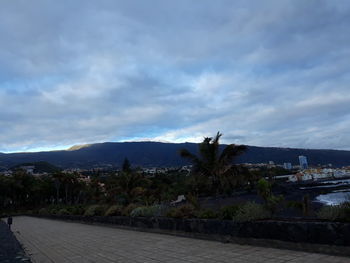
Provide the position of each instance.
(268, 73)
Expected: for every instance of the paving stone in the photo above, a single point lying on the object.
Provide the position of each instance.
(58, 241)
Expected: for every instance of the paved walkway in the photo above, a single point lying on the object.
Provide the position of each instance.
(10, 250)
(58, 241)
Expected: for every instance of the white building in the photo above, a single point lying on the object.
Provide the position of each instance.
(287, 166)
(29, 169)
(316, 174)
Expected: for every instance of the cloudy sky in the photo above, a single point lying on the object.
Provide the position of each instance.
(268, 73)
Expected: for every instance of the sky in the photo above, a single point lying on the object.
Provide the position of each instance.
(265, 73)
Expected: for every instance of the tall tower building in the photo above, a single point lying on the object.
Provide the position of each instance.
(303, 162)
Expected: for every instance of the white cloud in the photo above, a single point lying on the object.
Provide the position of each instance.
(272, 73)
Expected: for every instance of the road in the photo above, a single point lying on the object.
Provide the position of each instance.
(58, 241)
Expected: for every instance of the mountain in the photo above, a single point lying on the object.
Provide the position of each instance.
(40, 167)
(163, 154)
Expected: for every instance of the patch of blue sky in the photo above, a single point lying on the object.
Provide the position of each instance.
(27, 86)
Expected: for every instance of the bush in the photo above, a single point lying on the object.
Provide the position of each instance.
(329, 212)
(63, 211)
(43, 211)
(251, 211)
(345, 211)
(207, 214)
(76, 210)
(335, 213)
(295, 204)
(264, 189)
(184, 211)
(147, 211)
(114, 210)
(193, 200)
(228, 212)
(128, 209)
(95, 210)
(274, 203)
(53, 211)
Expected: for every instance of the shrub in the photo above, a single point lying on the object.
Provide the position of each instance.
(95, 210)
(295, 204)
(302, 206)
(331, 212)
(76, 210)
(193, 200)
(274, 203)
(335, 212)
(114, 210)
(228, 212)
(138, 211)
(264, 189)
(345, 212)
(251, 211)
(53, 211)
(207, 214)
(306, 205)
(147, 211)
(63, 211)
(184, 211)
(43, 211)
(127, 210)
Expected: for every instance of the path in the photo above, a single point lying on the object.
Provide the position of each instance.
(59, 241)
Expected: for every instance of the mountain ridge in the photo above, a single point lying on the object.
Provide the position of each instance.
(164, 154)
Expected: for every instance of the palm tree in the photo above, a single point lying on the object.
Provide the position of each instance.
(212, 162)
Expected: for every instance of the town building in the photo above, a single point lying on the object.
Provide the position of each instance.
(319, 173)
(303, 162)
(287, 166)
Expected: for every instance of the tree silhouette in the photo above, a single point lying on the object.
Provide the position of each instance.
(212, 162)
(126, 167)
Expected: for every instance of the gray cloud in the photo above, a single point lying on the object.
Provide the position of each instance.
(272, 73)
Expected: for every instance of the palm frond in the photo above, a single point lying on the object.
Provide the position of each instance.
(231, 152)
(188, 155)
(217, 138)
(196, 162)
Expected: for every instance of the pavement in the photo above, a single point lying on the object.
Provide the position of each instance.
(59, 241)
(10, 249)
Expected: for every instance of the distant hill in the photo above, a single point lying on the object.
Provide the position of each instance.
(150, 154)
(40, 167)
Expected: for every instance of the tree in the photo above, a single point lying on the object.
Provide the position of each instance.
(58, 179)
(129, 186)
(132, 186)
(69, 180)
(212, 162)
(265, 191)
(126, 167)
